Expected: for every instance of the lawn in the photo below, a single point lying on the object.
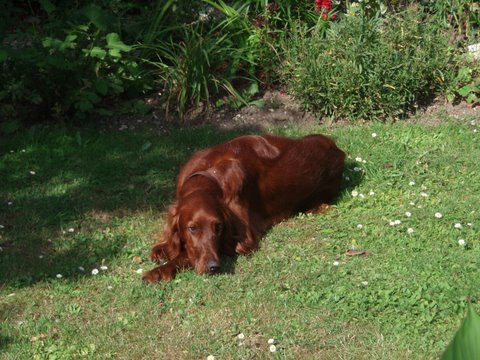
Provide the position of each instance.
(77, 201)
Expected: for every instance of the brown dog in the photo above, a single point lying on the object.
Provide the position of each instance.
(229, 195)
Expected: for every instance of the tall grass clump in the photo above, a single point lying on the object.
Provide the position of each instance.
(368, 67)
(198, 61)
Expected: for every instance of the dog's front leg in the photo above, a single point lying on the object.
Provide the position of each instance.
(167, 271)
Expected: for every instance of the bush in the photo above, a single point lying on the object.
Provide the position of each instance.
(65, 68)
(369, 67)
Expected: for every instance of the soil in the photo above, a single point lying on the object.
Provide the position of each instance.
(280, 110)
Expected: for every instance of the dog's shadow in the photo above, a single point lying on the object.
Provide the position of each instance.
(228, 264)
(353, 175)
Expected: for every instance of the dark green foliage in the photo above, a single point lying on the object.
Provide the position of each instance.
(66, 66)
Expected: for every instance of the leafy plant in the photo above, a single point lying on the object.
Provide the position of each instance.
(202, 59)
(466, 85)
(369, 66)
(462, 15)
(66, 69)
(466, 343)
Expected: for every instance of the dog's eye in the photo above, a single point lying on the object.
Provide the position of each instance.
(192, 229)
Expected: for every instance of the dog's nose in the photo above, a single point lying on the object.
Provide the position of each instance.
(213, 266)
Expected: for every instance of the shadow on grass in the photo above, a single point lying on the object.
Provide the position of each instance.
(63, 190)
(352, 177)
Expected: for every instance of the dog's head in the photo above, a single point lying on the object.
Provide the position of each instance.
(196, 225)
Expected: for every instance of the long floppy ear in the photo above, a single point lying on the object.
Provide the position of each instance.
(169, 246)
(170, 233)
(233, 178)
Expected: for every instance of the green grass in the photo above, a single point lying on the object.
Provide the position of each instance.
(112, 187)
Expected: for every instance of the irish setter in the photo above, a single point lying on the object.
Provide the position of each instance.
(229, 195)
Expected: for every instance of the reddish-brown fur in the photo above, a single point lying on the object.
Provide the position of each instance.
(230, 194)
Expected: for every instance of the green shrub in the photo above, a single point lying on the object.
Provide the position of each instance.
(368, 67)
(65, 68)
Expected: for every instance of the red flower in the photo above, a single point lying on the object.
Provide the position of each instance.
(323, 7)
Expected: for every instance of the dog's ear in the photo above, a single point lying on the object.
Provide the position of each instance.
(233, 178)
(171, 236)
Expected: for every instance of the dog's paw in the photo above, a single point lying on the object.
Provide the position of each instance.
(161, 273)
(158, 255)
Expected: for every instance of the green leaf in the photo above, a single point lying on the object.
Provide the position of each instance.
(101, 86)
(450, 97)
(146, 146)
(260, 103)
(99, 17)
(92, 97)
(47, 6)
(97, 52)
(467, 89)
(84, 105)
(466, 343)
(472, 98)
(114, 43)
(252, 89)
(114, 53)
